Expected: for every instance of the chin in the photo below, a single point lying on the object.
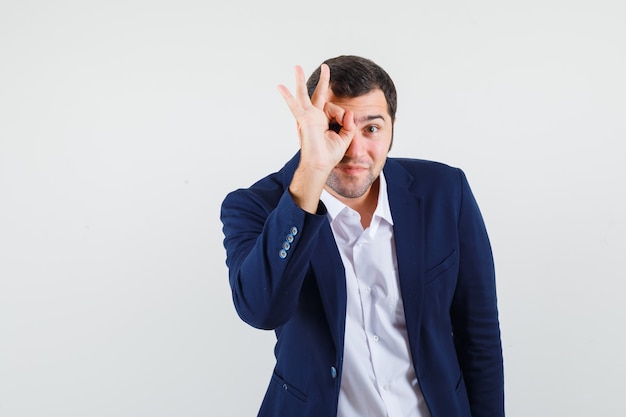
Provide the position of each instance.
(350, 192)
(351, 186)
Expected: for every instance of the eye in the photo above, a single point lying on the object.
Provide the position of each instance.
(371, 129)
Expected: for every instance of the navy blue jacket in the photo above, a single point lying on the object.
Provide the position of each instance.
(446, 278)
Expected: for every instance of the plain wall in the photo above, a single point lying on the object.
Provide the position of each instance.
(123, 124)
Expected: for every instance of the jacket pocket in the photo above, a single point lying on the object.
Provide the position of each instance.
(284, 386)
(438, 270)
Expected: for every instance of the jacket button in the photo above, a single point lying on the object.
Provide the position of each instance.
(282, 253)
(333, 372)
(294, 230)
(286, 245)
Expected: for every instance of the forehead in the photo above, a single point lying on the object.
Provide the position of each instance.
(370, 104)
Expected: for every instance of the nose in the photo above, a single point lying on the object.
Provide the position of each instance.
(356, 148)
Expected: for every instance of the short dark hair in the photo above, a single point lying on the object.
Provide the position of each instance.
(353, 76)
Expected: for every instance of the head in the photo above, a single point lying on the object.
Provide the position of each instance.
(362, 86)
(352, 76)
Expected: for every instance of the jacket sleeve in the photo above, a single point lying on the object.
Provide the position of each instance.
(268, 241)
(474, 313)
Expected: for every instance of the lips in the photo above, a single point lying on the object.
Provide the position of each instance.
(352, 169)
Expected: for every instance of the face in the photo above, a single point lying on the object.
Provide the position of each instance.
(360, 167)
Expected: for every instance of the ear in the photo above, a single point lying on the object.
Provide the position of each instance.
(393, 128)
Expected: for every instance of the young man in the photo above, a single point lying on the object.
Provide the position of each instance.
(375, 273)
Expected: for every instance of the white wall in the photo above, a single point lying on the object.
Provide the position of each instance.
(123, 124)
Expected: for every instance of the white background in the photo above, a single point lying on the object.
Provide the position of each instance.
(123, 124)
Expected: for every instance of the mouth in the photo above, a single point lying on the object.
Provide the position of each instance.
(352, 169)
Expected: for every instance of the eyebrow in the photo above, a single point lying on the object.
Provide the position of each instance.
(370, 118)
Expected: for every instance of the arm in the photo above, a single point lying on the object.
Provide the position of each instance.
(475, 315)
(266, 278)
(265, 281)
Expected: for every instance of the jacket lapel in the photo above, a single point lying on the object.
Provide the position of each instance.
(408, 217)
(331, 280)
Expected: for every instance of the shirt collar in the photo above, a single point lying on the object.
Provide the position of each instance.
(334, 207)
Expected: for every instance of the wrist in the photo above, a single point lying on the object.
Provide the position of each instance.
(306, 188)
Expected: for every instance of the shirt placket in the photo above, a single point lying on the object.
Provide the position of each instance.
(369, 284)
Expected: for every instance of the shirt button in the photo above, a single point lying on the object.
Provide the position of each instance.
(386, 387)
(376, 338)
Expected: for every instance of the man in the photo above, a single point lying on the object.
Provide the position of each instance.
(375, 273)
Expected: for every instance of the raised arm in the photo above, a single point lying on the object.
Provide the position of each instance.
(271, 228)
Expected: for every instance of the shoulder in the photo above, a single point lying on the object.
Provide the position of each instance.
(267, 191)
(424, 173)
(422, 165)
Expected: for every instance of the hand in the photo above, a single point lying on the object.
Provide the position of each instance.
(322, 148)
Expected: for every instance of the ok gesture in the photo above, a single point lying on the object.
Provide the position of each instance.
(321, 147)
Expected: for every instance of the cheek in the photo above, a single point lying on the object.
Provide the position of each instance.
(379, 152)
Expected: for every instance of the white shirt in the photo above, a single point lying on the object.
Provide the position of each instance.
(378, 378)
